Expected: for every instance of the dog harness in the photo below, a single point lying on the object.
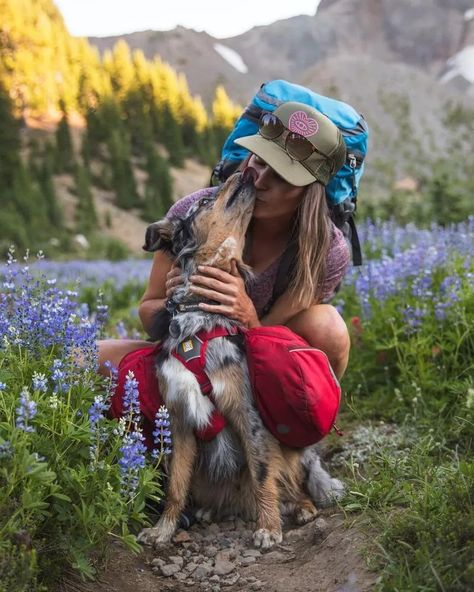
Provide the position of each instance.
(192, 354)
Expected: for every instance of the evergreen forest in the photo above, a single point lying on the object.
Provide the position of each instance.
(109, 117)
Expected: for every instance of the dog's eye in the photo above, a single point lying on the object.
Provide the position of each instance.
(204, 201)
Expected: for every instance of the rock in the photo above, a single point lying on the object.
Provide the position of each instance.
(213, 528)
(251, 553)
(276, 557)
(247, 560)
(231, 580)
(202, 572)
(169, 570)
(176, 560)
(181, 537)
(215, 579)
(257, 585)
(320, 528)
(158, 562)
(211, 551)
(223, 567)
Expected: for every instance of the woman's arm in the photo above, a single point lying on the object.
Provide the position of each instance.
(154, 297)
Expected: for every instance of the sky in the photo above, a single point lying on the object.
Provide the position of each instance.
(221, 18)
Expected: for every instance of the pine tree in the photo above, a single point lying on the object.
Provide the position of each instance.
(9, 141)
(54, 211)
(86, 215)
(159, 187)
(123, 180)
(65, 159)
(172, 138)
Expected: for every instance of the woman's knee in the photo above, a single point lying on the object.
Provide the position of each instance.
(324, 328)
(111, 351)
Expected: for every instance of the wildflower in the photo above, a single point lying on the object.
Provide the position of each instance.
(121, 330)
(96, 411)
(3, 386)
(39, 382)
(58, 376)
(413, 318)
(162, 433)
(53, 401)
(25, 411)
(131, 403)
(132, 459)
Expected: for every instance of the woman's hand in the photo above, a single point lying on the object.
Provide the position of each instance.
(228, 290)
(173, 279)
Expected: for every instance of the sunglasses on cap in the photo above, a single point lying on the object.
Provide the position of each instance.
(296, 146)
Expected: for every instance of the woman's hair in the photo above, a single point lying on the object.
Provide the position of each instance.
(312, 232)
(313, 236)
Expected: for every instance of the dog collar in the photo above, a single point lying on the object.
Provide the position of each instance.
(174, 307)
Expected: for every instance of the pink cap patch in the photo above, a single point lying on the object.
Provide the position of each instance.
(300, 123)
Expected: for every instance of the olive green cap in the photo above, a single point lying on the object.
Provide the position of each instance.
(314, 126)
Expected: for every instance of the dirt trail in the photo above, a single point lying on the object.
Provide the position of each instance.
(322, 556)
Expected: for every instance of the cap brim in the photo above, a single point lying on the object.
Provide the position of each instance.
(292, 171)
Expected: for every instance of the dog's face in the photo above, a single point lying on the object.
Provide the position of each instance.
(213, 231)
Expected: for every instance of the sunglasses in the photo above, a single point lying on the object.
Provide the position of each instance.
(295, 145)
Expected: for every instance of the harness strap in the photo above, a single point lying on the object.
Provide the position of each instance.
(192, 354)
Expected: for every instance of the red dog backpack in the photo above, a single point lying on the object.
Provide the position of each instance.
(294, 386)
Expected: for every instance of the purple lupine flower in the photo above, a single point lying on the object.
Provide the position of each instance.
(132, 459)
(440, 310)
(96, 411)
(39, 382)
(25, 411)
(3, 386)
(413, 318)
(58, 376)
(112, 381)
(121, 330)
(98, 432)
(131, 402)
(162, 433)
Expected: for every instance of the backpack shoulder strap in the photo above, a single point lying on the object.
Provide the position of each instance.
(284, 273)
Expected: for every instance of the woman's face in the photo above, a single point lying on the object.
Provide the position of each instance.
(275, 196)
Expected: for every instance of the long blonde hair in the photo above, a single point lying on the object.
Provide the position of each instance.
(313, 238)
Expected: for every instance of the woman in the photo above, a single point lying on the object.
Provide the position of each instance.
(294, 155)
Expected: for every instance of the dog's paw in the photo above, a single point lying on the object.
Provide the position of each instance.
(203, 515)
(160, 533)
(305, 515)
(326, 490)
(265, 539)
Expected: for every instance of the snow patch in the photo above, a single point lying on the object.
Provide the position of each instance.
(469, 14)
(231, 56)
(461, 64)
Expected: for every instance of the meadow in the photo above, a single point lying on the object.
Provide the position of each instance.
(71, 480)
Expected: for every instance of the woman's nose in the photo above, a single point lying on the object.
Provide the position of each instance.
(264, 174)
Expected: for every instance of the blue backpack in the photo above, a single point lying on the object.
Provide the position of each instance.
(342, 190)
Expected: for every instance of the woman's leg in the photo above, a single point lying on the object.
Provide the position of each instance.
(113, 350)
(324, 328)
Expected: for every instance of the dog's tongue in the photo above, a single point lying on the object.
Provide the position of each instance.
(249, 174)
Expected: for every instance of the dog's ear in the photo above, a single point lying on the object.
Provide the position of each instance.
(159, 235)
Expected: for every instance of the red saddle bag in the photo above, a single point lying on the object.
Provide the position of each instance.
(294, 386)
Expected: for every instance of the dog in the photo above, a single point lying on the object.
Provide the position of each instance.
(243, 470)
